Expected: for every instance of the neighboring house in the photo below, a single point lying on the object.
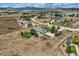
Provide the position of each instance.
(26, 24)
(60, 29)
(39, 30)
(49, 34)
(51, 22)
(60, 19)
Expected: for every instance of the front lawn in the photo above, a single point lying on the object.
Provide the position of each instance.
(62, 23)
(75, 39)
(27, 34)
(71, 49)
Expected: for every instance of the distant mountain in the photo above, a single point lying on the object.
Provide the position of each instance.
(23, 8)
(39, 5)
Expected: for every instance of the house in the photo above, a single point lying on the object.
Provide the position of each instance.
(49, 34)
(39, 30)
(60, 19)
(25, 24)
(60, 29)
(51, 22)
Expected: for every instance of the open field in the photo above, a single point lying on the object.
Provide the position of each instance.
(8, 24)
(11, 44)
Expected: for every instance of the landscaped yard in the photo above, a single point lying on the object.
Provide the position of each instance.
(75, 39)
(65, 23)
(71, 49)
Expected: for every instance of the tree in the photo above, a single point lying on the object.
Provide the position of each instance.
(72, 15)
(53, 29)
(58, 15)
(57, 32)
(65, 20)
(22, 34)
(68, 49)
(33, 32)
(58, 27)
(26, 18)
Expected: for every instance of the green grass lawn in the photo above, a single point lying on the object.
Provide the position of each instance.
(71, 49)
(27, 34)
(67, 23)
(75, 39)
(60, 23)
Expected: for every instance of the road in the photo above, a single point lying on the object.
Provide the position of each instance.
(64, 28)
(70, 29)
(34, 20)
(76, 23)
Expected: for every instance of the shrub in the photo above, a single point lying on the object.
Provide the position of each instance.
(33, 32)
(68, 49)
(25, 17)
(53, 29)
(75, 39)
(27, 34)
(71, 49)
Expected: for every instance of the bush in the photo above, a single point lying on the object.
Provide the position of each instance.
(71, 49)
(26, 17)
(33, 32)
(53, 29)
(58, 15)
(27, 34)
(68, 49)
(57, 33)
(75, 39)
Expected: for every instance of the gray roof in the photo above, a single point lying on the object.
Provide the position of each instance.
(60, 19)
(39, 29)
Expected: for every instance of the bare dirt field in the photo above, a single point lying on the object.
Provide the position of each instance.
(8, 24)
(15, 45)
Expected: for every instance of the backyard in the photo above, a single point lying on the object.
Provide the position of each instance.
(71, 49)
(63, 23)
(75, 38)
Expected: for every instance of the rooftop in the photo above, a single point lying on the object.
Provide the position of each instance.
(39, 29)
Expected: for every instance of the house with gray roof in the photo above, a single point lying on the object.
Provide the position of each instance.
(39, 30)
(25, 23)
(60, 19)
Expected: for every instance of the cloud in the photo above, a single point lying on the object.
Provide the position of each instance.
(40, 5)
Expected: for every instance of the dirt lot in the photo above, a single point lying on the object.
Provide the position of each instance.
(8, 24)
(14, 45)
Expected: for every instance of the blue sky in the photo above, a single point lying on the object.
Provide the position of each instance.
(40, 5)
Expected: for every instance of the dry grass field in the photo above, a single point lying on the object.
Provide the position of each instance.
(8, 24)
(13, 44)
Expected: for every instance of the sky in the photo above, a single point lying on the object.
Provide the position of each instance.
(40, 5)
